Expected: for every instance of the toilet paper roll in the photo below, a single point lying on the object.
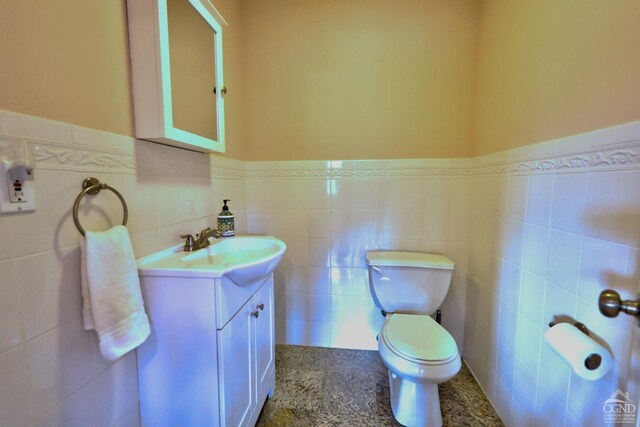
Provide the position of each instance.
(588, 359)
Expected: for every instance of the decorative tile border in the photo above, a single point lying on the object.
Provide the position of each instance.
(626, 156)
(224, 168)
(66, 155)
(60, 155)
(359, 173)
(623, 156)
(51, 156)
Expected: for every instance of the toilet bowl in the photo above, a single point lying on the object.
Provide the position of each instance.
(417, 351)
(419, 354)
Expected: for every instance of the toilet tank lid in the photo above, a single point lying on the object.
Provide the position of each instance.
(409, 259)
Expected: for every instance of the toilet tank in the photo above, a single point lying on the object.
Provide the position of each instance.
(408, 282)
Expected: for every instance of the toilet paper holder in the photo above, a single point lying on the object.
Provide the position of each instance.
(581, 326)
(594, 360)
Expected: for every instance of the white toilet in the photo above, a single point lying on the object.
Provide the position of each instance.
(418, 352)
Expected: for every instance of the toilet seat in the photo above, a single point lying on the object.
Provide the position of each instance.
(420, 339)
(419, 353)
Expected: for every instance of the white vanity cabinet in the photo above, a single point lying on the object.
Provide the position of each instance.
(210, 359)
(265, 344)
(246, 360)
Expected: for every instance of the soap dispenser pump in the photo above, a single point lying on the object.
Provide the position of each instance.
(226, 221)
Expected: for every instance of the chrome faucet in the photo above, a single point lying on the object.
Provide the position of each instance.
(201, 240)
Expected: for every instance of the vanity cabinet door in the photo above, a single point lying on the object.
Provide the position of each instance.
(264, 336)
(235, 368)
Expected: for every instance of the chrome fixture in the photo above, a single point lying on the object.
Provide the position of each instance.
(581, 326)
(201, 240)
(610, 305)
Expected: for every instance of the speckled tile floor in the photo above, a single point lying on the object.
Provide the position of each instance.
(335, 387)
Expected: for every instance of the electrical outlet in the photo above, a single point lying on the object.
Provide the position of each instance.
(17, 192)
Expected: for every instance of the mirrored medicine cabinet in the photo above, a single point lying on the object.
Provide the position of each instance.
(177, 73)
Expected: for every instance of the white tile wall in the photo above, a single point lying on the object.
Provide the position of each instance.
(533, 241)
(548, 233)
(51, 371)
(330, 214)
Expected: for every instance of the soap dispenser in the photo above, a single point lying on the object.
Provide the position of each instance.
(225, 221)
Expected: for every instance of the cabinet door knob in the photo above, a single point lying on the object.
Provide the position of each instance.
(260, 306)
(222, 91)
(255, 314)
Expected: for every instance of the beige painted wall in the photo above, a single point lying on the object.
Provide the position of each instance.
(68, 60)
(342, 79)
(549, 69)
(358, 79)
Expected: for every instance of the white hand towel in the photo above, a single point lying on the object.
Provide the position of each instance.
(112, 301)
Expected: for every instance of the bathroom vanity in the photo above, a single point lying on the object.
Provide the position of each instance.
(210, 358)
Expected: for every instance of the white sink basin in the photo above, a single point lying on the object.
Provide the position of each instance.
(243, 259)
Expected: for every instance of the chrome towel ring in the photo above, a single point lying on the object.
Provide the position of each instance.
(93, 186)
